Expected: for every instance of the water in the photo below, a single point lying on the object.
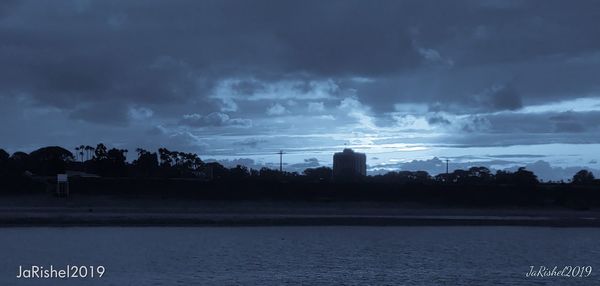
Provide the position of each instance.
(302, 255)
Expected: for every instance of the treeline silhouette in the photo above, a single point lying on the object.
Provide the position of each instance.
(105, 162)
(171, 173)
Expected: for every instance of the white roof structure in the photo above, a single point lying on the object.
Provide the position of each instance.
(62, 178)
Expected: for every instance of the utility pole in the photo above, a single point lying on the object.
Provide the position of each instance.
(447, 166)
(280, 160)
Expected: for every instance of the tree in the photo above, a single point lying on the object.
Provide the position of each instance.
(239, 172)
(217, 171)
(116, 156)
(180, 164)
(268, 174)
(49, 161)
(81, 149)
(100, 152)
(503, 177)
(524, 177)
(442, 178)
(421, 176)
(321, 174)
(165, 157)
(20, 161)
(583, 177)
(111, 162)
(115, 163)
(475, 175)
(146, 164)
(77, 152)
(89, 150)
(459, 176)
(4, 156)
(4, 162)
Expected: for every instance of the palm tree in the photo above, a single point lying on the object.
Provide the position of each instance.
(77, 150)
(89, 150)
(81, 150)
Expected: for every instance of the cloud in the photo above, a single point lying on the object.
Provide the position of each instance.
(471, 73)
(308, 163)
(276, 109)
(140, 113)
(548, 122)
(316, 107)
(516, 156)
(214, 119)
(102, 113)
(500, 97)
(251, 142)
(438, 119)
(178, 62)
(354, 109)
(184, 141)
(434, 57)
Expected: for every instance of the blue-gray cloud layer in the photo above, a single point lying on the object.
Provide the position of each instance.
(231, 77)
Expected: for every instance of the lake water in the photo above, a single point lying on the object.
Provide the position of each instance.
(302, 255)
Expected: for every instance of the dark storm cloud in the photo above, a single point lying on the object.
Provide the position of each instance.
(522, 128)
(521, 32)
(550, 122)
(438, 119)
(501, 98)
(63, 53)
(69, 52)
(103, 113)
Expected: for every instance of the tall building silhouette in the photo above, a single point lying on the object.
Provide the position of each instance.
(349, 165)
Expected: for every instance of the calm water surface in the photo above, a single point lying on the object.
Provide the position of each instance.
(302, 255)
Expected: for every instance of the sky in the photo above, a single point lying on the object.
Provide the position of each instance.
(410, 83)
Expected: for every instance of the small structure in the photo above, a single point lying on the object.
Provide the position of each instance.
(80, 174)
(349, 165)
(62, 185)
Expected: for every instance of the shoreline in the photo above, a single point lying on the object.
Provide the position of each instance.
(45, 211)
(207, 220)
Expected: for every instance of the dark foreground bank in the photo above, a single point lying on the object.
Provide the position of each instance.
(166, 202)
(46, 210)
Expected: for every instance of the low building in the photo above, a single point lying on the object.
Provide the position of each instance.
(349, 165)
(62, 185)
(80, 174)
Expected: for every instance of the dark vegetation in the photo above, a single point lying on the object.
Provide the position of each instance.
(172, 174)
